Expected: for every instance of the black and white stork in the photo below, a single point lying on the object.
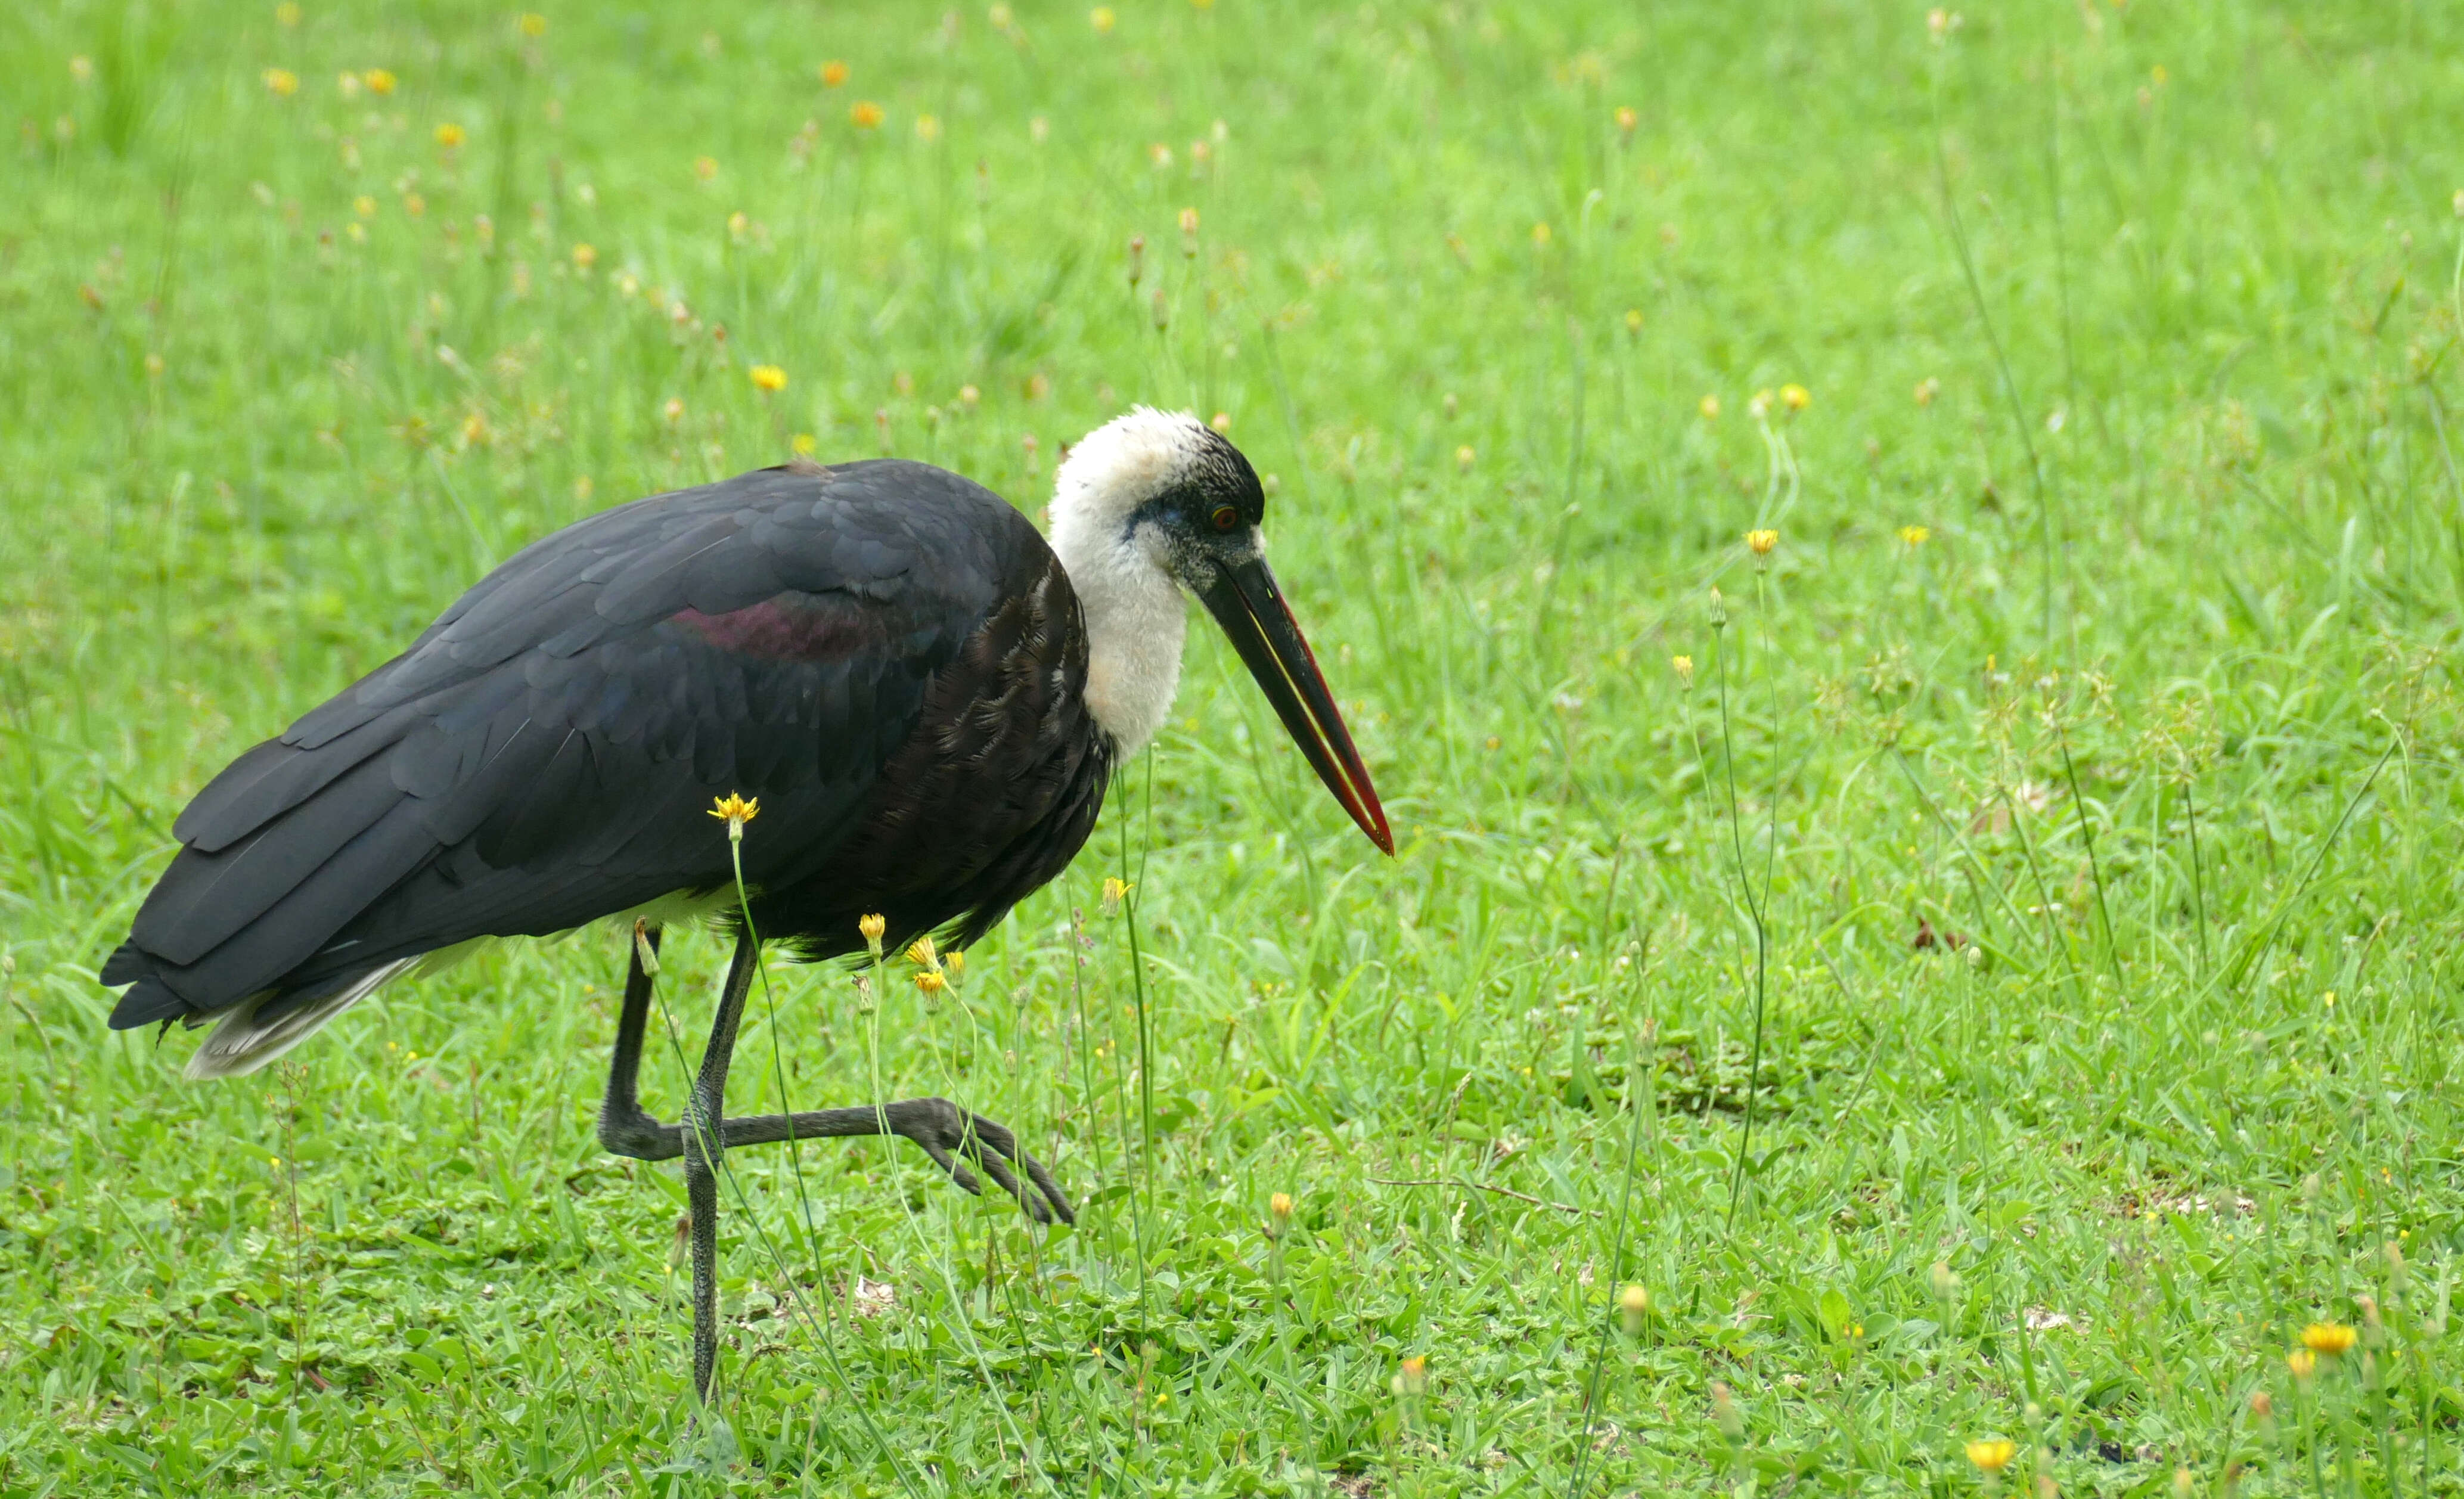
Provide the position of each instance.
(925, 698)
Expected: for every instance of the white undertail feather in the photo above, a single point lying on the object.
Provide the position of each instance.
(1135, 619)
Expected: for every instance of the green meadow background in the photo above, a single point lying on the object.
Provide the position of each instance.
(2006, 994)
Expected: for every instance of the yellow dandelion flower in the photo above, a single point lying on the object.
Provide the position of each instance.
(2302, 1362)
(1709, 406)
(923, 955)
(833, 73)
(1992, 1454)
(380, 81)
(281, 82)
(1761, 543)
(736, 812)
(1914, 537)
(584, 256)
(1415, 1377)
(1115, 891)
(365, 206)
(1278, 1208)
(2334, 1339)
(1633, 319)
(865, 115)
(872, 928)
(413, 204)
(955, 965)
(1541, 234)
(1101, 19)
(449, 135)
(534, 24)
(928, 127)
(968, 396)
(1684, 667)
(802, 445)
(769, 379)
(1627, 119)
(1796, 397)
(1465, 457)
(931, 982)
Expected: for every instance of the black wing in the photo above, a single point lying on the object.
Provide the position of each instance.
(546, 753)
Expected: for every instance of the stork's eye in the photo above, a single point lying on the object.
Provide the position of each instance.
(1226, 517)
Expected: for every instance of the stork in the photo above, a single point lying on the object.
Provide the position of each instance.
(925, 698)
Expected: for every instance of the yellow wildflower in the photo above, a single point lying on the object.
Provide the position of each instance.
(584, 256)
(1992, 1454)
(1761, 543)
(769, 379)
(1684, 667)
(736, 812)
(380, 81)
(1415, 1377)
(2302, 1362)
(833, 73)
(287, 13)
(449, 135)
(923, 955)
(1796, 397)
(282, 81)
(1927, 389)
(534, 24)
(802, 445)
(865, 115)
(1102, 18)
(2331, 1338)
(871, 927)
(1115, 891)
(1709, 406)
(1633, 1304)
(1627, 119)
(1913, 537)
(1465, 457)
(365, 206)
(705, 167)
(931, 982)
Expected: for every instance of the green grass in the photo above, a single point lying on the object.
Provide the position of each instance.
(2159, 721)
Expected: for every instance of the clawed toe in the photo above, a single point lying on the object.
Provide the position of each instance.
(945, 1132)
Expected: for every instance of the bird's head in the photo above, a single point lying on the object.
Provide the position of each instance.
(1153, 504)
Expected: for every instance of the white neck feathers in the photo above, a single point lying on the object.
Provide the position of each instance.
(1136, 617)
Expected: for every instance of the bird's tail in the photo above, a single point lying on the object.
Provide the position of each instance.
(263, 1026)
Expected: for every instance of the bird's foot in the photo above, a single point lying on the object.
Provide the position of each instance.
(948, 1133)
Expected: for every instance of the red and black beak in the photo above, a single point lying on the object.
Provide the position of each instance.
(1251, 610)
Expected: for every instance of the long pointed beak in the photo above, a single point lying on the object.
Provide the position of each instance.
(1251, 610)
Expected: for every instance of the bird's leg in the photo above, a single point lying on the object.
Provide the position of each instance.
(705, 1141)
(950, 1134)
(625, 1129)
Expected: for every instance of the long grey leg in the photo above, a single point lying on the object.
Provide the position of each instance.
(947, 1133)
(705, 1141)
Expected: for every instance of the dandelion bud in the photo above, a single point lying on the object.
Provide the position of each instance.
(2184, 1484)
(1709, 406)
(1627, 119)
(1944, 1279)
(1189, 232)
(1684, 667)
(2262, 1411)
(1633, 1304)
(1634, 321)
(1719, 610)
(1414, 1379)
(1927, 389)
(2302, 1362)
(1115, 892)
(922, 954)
(872, 926)
(1162, 311)
(1465, 457)
(1222, 422)
(1279, 1214)
(1724, 1412)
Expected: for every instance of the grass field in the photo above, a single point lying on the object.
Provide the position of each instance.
(2008, 991)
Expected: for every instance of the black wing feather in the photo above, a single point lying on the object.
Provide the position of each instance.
(546, 752)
